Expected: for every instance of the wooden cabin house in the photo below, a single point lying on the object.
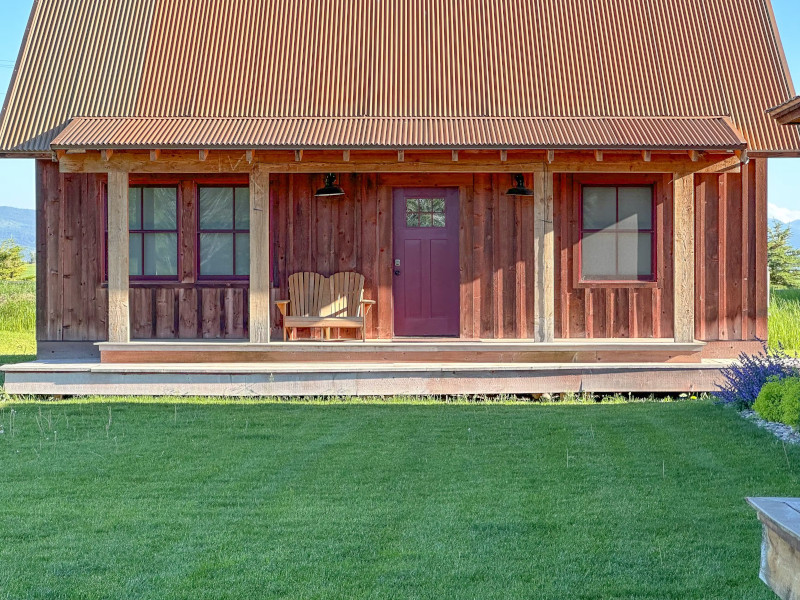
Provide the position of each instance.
(540, 195)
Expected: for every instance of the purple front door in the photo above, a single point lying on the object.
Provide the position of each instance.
(425, 263)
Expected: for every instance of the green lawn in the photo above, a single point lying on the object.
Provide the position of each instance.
(784, 319)
(267, 500)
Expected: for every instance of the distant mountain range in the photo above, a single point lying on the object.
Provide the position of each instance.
(19, 224)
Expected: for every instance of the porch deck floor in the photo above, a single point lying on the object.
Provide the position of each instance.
(91, 377)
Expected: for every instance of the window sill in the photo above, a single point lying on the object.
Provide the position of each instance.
(616, 284)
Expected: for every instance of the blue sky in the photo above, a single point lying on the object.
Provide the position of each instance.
(16, 176)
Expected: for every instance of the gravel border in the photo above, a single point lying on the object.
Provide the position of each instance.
(783, 432)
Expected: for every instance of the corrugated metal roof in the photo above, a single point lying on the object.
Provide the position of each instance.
(399, 58)
(400, 132)
(787, 113)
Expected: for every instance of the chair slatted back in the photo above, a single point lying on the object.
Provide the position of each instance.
(308, 294)
(346, 293)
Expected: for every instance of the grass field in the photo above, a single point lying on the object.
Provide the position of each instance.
(345, 501)
(784, 319)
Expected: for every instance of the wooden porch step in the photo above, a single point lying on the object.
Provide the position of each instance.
(426, 351)
(363, 378)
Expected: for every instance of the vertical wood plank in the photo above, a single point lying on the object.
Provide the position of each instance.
(683, 258)
(701, 193)
(722, 228)
(543, 240)
(118, 298)
(259, 256)
(746, 260)
(385, 256)
(188, 238)
(499, 236)
(465, 194)
(761, 281)
(369, 247)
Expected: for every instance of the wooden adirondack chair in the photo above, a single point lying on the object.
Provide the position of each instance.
(316, 301)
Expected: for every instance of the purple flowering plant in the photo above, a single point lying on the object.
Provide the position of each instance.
(744, 379)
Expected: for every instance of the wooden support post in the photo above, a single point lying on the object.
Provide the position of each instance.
(544, 249)
(647, 155)
(683, 257)
(503, 155)
(259, 256)
(346, 156)
(694, 155)
(455, 155)
(117, 247)
(248, 156)
(155, 155)
(551, 156)
(598, 155)
(203, 155)
(298, 155)
(401, 155)
(106, 154)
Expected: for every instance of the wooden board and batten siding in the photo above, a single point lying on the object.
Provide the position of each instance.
(730, 287)
(497, 258)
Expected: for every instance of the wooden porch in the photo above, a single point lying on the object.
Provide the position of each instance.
(362, 378)
(420, 350)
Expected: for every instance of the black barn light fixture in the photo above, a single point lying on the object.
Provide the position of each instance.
(330, 190)
(519, 188)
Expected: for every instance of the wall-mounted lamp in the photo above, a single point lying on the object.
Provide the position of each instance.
(330, 189)
(519, 188)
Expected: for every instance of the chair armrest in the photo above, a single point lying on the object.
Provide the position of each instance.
(282, 304)
(365, 306)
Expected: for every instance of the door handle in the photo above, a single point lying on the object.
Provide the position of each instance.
(397, 271)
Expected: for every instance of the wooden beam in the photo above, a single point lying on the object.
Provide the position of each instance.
(551, 156)
(183, 161)
(401, 156)
(544, 251)
(248, 156)
(598, 155)
(647, 156)
(260, 284)
(683, 257)
(298, 155)
(346, 156)
(694, 155)
(455, 155)
(118, 259)
(503, 155)
(154, 155)
(203, 155)
(106, 155)
(58, 155)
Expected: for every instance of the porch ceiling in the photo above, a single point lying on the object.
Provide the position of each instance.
(282, 133)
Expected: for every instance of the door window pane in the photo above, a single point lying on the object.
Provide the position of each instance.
(216, 208)
(425, 212)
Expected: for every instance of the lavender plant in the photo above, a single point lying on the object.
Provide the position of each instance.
(744, 379)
